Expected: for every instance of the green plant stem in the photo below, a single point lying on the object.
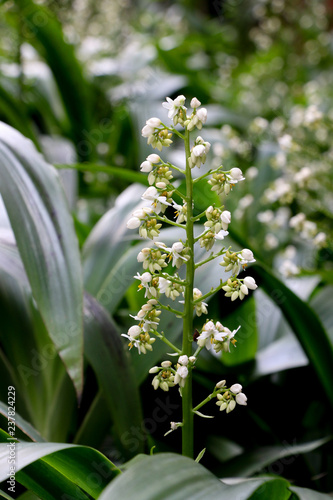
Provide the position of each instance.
(207, 173)
(170, 309)
(209, 398)
(211, 257)
(187, 429)
(212, 291)
(171, 278)
(168, 221)
(166, 341)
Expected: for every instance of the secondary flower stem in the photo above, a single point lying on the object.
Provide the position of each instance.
(213, 290)
(187, 429)
(167, 342)
(170, 309)
(209, 398)
(211, 257)
(168, 221)
(206, 174)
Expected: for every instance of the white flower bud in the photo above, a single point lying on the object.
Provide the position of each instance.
(146, 166)
(161, 185)
(236, 174)
(244, 289)
(234, 296)
(250, 283)
(241, 399)
(192, 359)
(226, 216)
(183, 360)
(195, 103)
(247, 254)
(133, 223)
(182, 371)
(177, 247)
(231, 406)
(164, 386)
(153, 158)
(155, 383)
(153, 122)
(198, 150)
(166, 364)
(202, 115)
(146, 278)
(221, 384)
(154, 369)
(134, 331)
(236, 388)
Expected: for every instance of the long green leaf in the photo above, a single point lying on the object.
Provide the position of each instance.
(117, 172)
(305, 324)
(249, 463)
(22, 424)
(105, 351)
(45, 236)
(307, 494)
(60, 466)
(169, 476)
(42, 29)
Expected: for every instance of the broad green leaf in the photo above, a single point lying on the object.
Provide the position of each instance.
(282, 354)
(222, 448)
(62, 467)
(116, 172)
(24, 426)
(108, 241)
(251, 462)
(44, 392)
(307, 494)
(305, 324)
(42, 29)
(322, 304)
(105, 352)
(174, 477)
(45, 236)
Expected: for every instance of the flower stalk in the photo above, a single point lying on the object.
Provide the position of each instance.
(156, 280)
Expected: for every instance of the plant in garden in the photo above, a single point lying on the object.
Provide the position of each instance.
(157, 280)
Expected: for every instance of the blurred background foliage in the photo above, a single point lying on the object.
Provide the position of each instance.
(79, 78)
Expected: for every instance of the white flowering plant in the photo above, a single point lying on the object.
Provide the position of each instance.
(157, 281)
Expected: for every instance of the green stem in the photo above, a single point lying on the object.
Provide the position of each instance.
(212, 291)
(209, 398)
(167, 342)
(170, 309)
(211, 257)
(187, 429)
(168, 221)
(171, 278)
(206, 174)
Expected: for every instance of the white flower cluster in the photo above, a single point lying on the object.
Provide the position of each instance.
(166, 376)
(199, 152)
(223, 182)
(227, 401)
(216, 336)
(239, 288)
(235, 261)
(157, 135)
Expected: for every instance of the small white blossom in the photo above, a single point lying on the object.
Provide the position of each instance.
(181, 374)
(241, 399)
(226, 219)
(236, 388)
(183, 360)
(195, 103)
(159, 202)
(250, 283)
(174, 106)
